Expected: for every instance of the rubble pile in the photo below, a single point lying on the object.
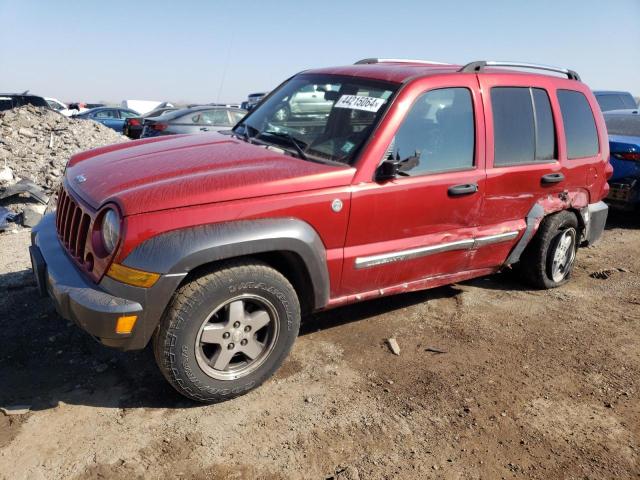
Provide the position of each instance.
(35, 145)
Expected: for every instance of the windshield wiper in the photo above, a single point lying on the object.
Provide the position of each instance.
(245, 132)
(294, 142)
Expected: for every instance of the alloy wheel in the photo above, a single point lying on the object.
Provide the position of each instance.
(237, 337)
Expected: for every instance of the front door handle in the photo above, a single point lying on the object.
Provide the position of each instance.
(550, 178)
(464, 189)
(204, 129)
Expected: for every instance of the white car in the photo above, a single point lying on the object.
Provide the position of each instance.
(60, 107)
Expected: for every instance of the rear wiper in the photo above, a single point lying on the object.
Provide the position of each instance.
(297, 144)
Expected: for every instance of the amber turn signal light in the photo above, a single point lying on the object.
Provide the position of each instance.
(131, 276)
(126, 323)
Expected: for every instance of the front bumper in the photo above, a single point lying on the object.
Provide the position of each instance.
(95, 307)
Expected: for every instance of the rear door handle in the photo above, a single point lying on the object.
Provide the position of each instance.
(464, 189)
(204, 129)
(550, 178)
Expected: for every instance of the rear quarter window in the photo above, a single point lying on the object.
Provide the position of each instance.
(579, 125)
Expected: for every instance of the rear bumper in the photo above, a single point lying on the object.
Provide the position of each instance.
(95, 308)
(595, 219)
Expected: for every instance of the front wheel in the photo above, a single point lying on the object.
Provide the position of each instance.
(548, 260)
(227, 331)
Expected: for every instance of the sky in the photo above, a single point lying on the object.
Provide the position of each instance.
(219, 51)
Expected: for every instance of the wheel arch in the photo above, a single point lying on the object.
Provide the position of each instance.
(288, 245)
(288, 263)
(534, 218)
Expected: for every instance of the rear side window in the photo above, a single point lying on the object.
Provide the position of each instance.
(579, 124)
(127, 114)
(105, 114)
(523, 126)
(236, 116)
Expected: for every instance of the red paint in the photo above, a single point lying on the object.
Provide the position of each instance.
(169, 183)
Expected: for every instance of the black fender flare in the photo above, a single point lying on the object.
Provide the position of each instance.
(177, 252)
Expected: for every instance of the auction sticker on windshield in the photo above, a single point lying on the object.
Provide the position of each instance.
(357, 102)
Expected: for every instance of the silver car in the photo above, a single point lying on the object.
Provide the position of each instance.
(309, 101)
(192, 120)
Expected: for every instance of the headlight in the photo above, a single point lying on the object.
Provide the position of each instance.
(110, 230)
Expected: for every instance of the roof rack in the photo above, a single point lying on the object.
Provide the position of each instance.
(479, 66)
(369, 61)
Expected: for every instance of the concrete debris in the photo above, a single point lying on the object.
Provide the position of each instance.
(6, 175)
(393, 345)
(31, 216)
(35, 145)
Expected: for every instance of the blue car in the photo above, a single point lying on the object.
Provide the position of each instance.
(112, 117)
(624, 142)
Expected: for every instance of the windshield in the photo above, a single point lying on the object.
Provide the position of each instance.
(319, 117)
(627, 125)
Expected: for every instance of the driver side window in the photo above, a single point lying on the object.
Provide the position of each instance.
(437, 135)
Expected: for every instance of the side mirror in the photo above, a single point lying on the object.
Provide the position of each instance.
(391, 167)
(388, 170)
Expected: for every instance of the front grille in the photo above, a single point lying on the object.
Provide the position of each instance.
(72, 224)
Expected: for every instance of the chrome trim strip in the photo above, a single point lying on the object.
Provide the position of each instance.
(381, 259)
(497, 238)
(468, 244)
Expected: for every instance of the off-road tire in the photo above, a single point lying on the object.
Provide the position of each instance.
(175, 340)
(535, 263)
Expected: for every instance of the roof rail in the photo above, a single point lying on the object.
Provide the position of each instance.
(369, 61)
(479, 66)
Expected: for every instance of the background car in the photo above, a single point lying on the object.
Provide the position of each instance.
(13, 100)
(59, 107)
(110, 117)
(623, 127)
(309, 101)
(192, 120)
(254, 98)
(133, 125)
(614, 100)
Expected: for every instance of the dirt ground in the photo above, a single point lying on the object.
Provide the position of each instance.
(530, 384)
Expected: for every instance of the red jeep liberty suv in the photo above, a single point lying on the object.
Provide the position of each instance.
(343, 184)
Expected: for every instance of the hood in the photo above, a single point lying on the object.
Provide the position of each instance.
(178, 171)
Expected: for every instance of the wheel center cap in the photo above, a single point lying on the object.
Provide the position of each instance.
(236, 335)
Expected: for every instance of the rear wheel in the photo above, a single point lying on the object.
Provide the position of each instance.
(548, 260)
(227, 331)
